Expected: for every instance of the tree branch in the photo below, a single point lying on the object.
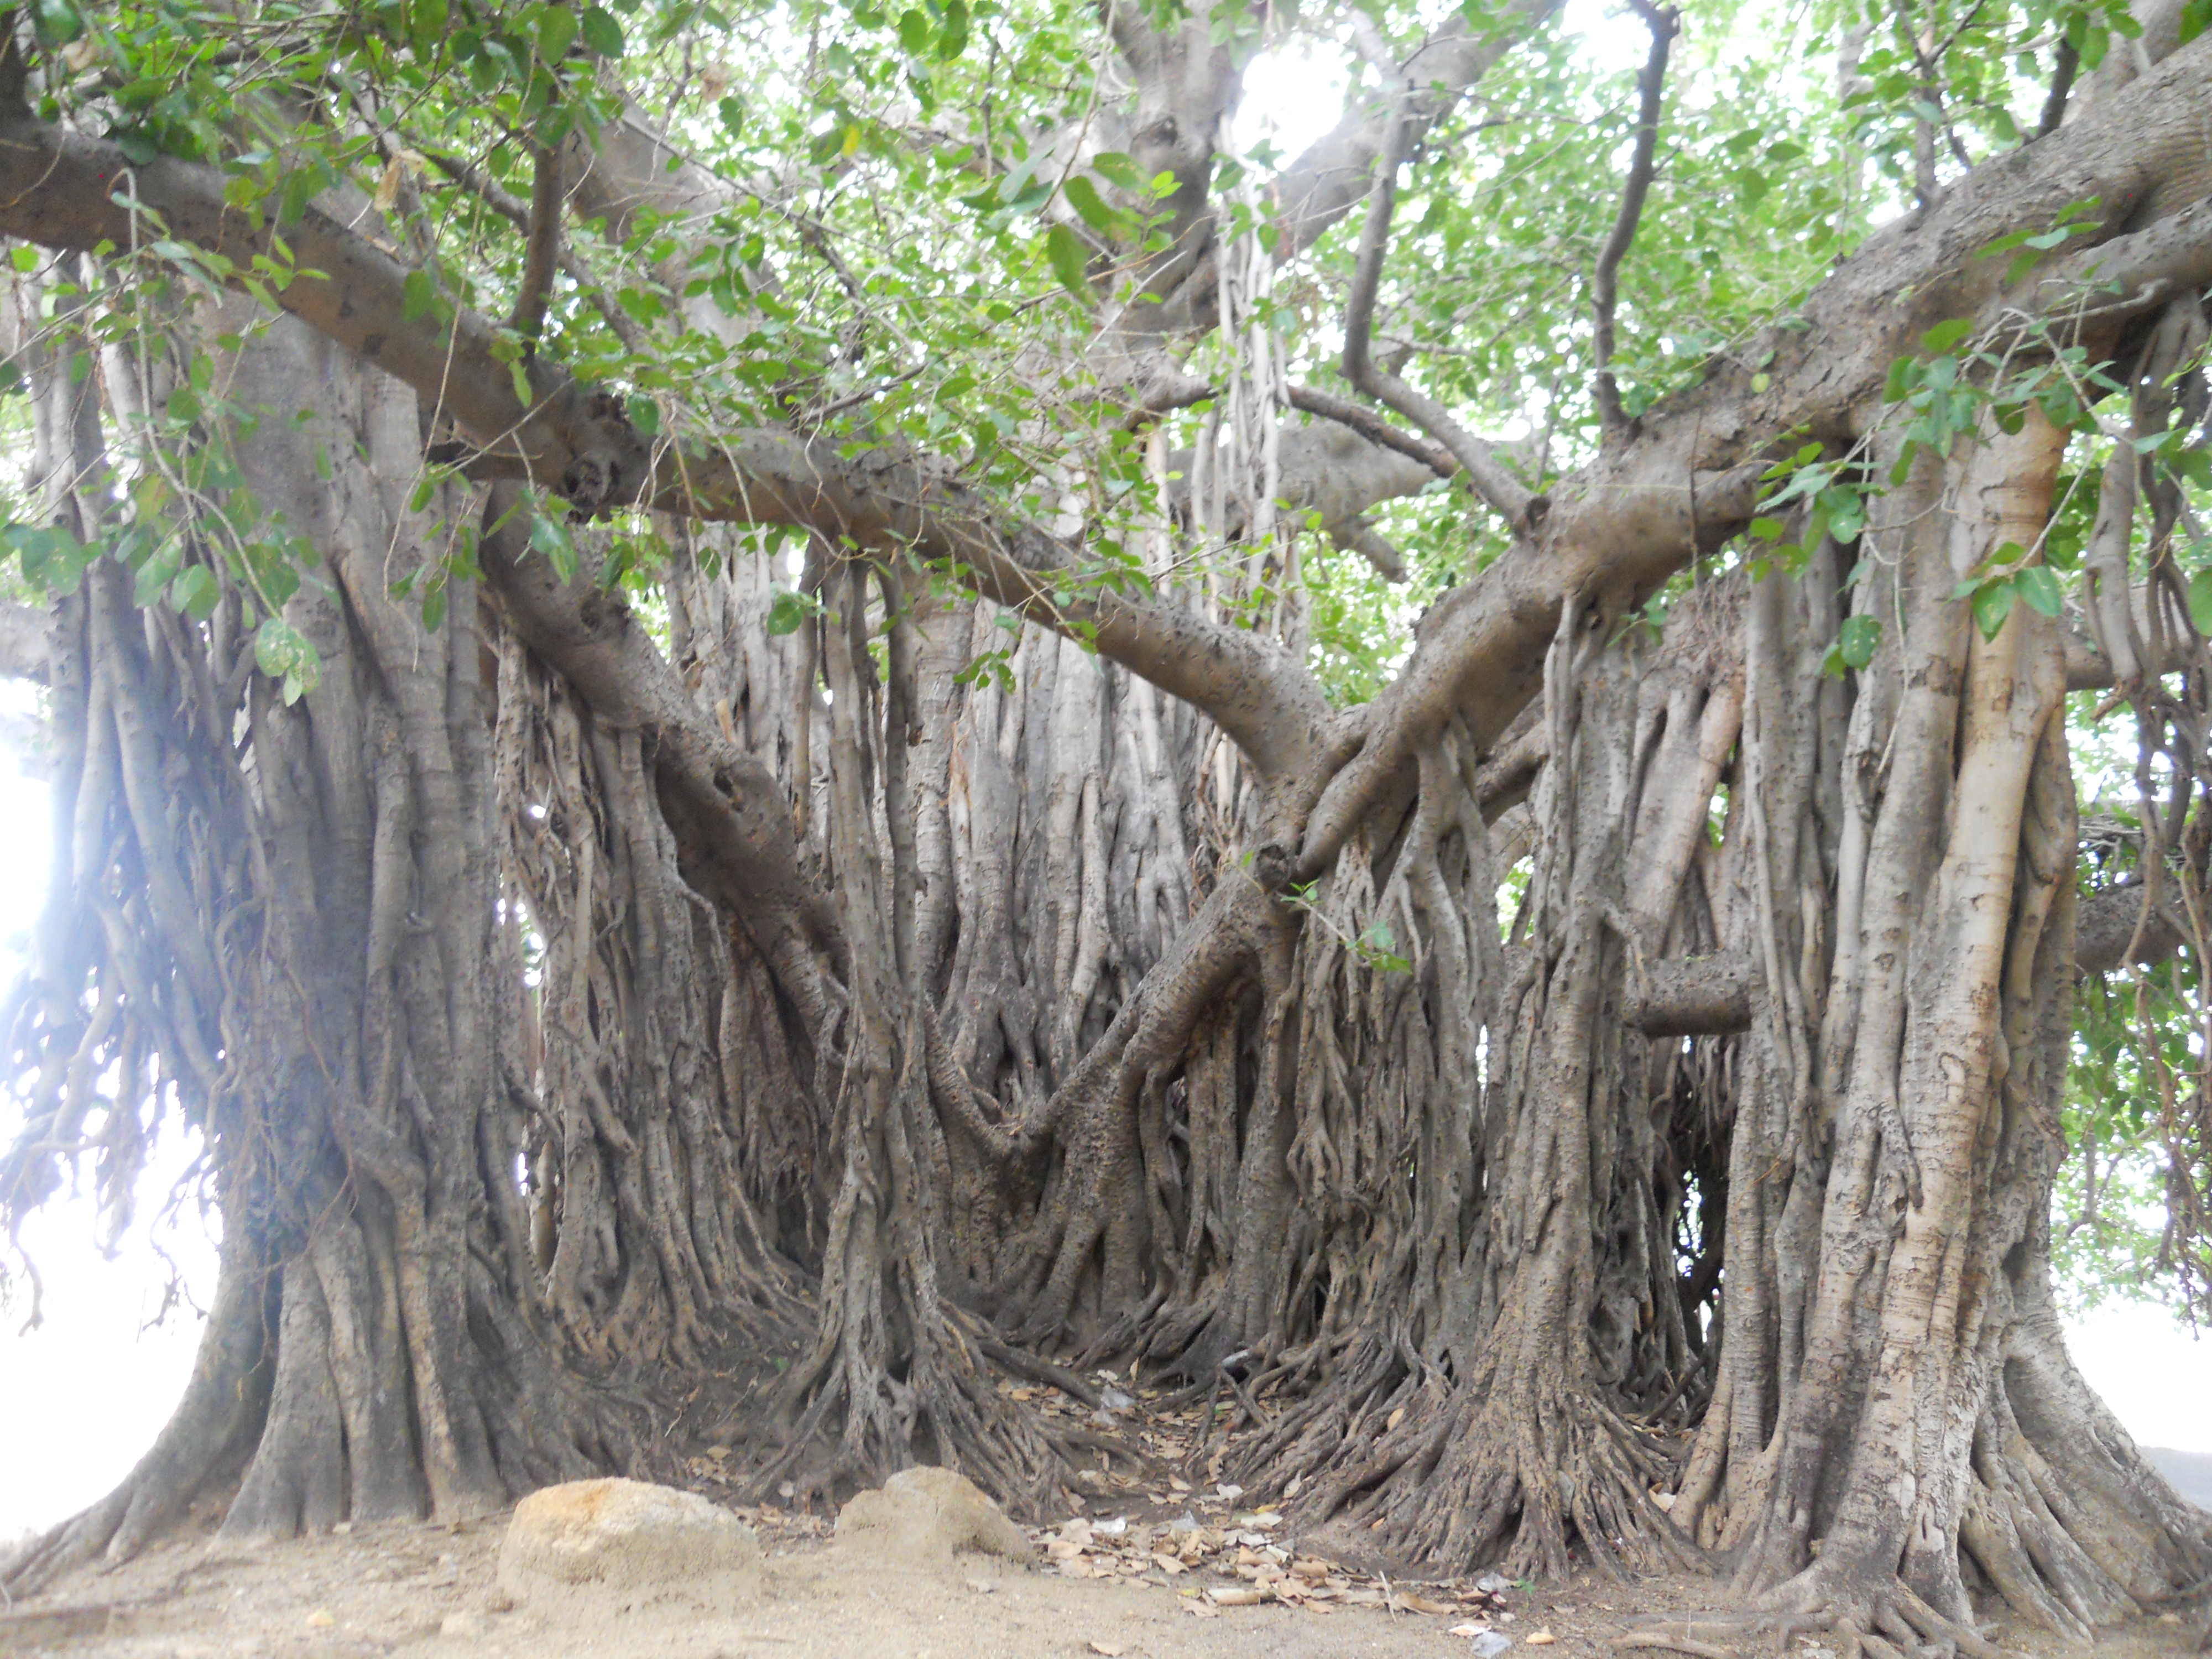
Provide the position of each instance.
(543, 245)
(512, 208)
(2063, 72)
(1375, 430)
(1651, 88)
(56, 189)
(1689, 479)
(1506, 494)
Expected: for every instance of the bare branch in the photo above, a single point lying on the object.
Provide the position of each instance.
(2063, 72)
(543, 245)
(1651, 88)
(1506, 494)
(1323, 185)
(512, 208)
(1375, 430)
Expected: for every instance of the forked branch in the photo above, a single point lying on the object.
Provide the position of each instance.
(1511, 498)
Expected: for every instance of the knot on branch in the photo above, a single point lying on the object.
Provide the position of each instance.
(610, 465)
(1272, 866)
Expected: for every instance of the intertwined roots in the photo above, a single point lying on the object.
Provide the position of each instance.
(1885, 1621)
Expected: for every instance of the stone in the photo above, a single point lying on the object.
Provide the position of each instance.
(463, 1624)
(923, 1517)
(629, 1543)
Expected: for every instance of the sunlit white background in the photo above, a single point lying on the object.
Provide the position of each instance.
(83, 1395)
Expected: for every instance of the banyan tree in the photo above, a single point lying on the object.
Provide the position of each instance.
(803, 708)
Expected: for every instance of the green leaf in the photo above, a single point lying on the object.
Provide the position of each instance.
(787, 613)
(550, 536)
(2200, 601)
(56, 22)
(433, 605)
(416, 295)
(2194, 16)
(954, 41)
(23, 257)
(195, 592)
(1904, 375)
(915, 30)
(1118, 169)
(1069, 258)
(2038, 587)
(1856, 639)
(1082, 196)
(283, 652)
(556, 33)
(603, 34)
(1992, 605)
(1941, 337)
(645, 416)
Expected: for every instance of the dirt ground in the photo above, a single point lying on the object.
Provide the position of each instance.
(430, 1591)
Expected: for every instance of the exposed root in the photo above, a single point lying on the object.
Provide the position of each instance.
(1884, 1620)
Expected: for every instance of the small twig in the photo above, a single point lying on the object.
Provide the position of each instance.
(865, 393)
(1651, 86)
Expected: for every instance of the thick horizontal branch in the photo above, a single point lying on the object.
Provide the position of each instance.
(1690, 479)
(62, 189)
(2111, 920)
(1694, 996)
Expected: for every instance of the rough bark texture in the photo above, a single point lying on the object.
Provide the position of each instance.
(580, 999)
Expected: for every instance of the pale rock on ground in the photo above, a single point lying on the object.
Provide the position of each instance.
(923, 1518)
(627, 1543)
(439, 1592)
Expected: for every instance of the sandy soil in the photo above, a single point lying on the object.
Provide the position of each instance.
(430, 1591)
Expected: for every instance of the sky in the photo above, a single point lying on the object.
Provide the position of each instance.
(83, 1395)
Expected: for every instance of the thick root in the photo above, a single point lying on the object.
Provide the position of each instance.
(1882, 1621)
(1463, 1476)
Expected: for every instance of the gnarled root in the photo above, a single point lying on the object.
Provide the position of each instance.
(1517, 1468)
(1882, 1620)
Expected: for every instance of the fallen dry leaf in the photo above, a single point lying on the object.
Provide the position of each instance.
(1394, 1419)
(1168, 1564)
(321, 1618)
(1539, 1638)
(1111, 1650)
(1422, 1604)
(981, 1586)
(1466, 1630)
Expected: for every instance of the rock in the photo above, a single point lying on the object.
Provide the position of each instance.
(463, 1624)
(1490, 1644)
(923, 1517)
(628, 1542)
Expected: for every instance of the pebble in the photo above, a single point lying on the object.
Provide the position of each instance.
(463, 1624)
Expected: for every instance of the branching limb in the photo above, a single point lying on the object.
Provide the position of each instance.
(1651, 88)
(1377, 431)
(1506, 494)
(512, 208)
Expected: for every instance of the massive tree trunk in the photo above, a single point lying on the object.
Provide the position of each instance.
(580, 997)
